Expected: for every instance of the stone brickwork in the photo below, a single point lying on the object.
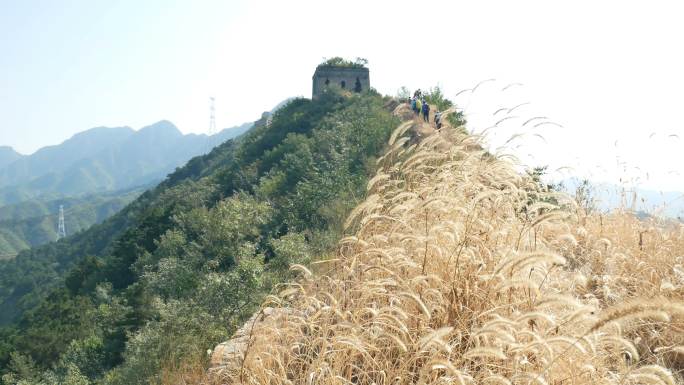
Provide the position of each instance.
(227, 357)
(348, 78)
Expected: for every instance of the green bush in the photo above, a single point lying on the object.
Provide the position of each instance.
(341, 62)
(436, 98)
(457, 119)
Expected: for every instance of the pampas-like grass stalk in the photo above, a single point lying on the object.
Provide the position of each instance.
(485, 352)
(656, 308)
(459, 269)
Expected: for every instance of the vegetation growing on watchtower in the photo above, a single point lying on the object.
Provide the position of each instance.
(337, 61)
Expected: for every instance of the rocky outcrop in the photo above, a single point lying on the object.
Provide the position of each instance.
(228, 356)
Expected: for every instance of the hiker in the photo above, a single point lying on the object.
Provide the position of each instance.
(426, 112)
(413, 105)
(417, 94)
(419, 106)
(438, 119)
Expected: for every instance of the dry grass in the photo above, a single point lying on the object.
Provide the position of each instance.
(191, 371)
(462, 271)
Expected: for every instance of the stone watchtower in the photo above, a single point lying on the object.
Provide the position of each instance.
(353, 78)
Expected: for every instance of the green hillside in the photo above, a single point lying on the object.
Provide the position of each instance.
(93, 174)
(175, 271)
(34, 223)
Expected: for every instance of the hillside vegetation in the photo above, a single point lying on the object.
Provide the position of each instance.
(94, 174)
(179, 268)
(34, 223)
(460, 270)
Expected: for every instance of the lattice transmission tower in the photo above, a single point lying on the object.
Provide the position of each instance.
(212, 116)
(61, 227)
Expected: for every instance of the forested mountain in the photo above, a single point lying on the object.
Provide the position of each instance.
(58, 158)
(33, 223)
(93, 174)
(8, 155)
(104, 159)
(176, 270)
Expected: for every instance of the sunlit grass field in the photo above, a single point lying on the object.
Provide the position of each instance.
(460, 270)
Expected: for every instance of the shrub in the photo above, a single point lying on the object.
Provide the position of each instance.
(341, 62)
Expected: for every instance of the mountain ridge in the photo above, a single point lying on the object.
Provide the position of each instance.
(8, 155)
(609, 196)
(104, 159)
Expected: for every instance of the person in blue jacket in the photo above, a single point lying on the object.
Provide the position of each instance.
(426, 112)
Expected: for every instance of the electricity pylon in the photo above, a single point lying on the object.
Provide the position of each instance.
(212, 117)
(61, 228)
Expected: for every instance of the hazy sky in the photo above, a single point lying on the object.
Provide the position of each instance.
(606, 71)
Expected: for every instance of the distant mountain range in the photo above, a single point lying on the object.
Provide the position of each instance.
(102, 159)
(8, 155)
(608, 196)
(93, 175)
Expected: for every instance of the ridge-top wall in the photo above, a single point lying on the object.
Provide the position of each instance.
(349, 78)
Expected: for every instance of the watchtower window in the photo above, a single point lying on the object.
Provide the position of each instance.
(327, 81)
(357, 85)
(343, 84)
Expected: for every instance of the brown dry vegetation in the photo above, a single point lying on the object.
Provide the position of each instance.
(463, 271)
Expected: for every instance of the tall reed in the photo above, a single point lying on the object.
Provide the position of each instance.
(462, 271)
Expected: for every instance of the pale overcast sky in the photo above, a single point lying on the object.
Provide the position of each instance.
(606, 71)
